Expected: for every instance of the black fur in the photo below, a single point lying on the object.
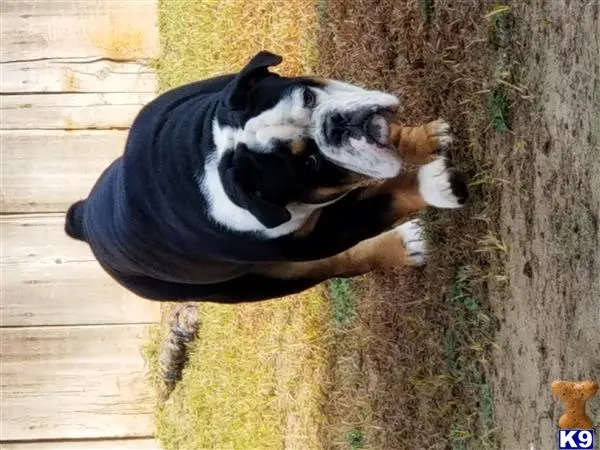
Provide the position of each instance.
(74, 221)
(146, 219)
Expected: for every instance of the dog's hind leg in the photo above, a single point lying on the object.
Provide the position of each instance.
(403, 244)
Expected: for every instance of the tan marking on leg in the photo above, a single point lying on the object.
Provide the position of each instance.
(418, 145)
(383, 251)
(405, 193)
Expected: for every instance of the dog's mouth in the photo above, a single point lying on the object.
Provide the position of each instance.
(376, 127)
(359, 140)
(371, 124)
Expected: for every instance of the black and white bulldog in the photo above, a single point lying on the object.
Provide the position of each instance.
(251, 186)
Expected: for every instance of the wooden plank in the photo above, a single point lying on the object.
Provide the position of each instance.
(110, 444)
(32, 29)
(76, 75)
(48, 170)
(74, 382)
(50, 279)
(71, 111)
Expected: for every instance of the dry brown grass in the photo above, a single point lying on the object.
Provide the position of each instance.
(253, 379)
(255, 372)
(405, 370)
(409, 369)
(203, 38)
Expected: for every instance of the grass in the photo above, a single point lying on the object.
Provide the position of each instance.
(498, 18)
(464, 347)
(355, 439)
(203, 38)
(254, 374)
(253, 378)
(498, 109)
(414, 357)
(427, 11)
(343, 300)
(393, 360)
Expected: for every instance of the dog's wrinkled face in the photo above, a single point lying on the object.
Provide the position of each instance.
(289, 141)
(349, 124)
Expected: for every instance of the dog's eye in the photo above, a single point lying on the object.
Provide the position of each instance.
(309, 98)
(313, 162)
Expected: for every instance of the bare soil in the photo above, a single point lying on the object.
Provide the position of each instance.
(527, 244)
(550, 206)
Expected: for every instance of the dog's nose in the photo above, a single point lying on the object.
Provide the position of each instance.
(337, 119)
(334, 126)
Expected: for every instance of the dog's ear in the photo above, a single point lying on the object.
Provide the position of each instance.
(242, 177)
(256, 69)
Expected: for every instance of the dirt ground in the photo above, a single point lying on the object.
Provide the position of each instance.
(459, 354)
(550, 316)
(529, 241)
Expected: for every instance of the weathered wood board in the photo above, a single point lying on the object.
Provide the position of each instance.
(76, 75)
(109, 444)
(51, 279)
(73, 75)
(48, 170)
(71, 111)
(35, 29)
(74, 382)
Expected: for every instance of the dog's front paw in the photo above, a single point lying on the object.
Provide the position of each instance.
(439, 134)
(441, 186)
(414, 241)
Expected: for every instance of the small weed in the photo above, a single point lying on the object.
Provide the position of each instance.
(492, 244)
(498, 19)
(458, 438)
(498, 109)
(466, 339)
(497, 12)
(428, 218)
(355, 439)
(486, 178)
(486, 407)
(427, 8)
(321, 7)
(344, 300)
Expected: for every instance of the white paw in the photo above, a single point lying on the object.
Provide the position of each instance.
(435, 185)
(443, 133)
(412, 235)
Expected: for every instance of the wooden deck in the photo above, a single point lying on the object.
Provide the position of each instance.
(73, 75)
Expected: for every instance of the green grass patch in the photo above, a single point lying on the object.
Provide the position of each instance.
(467, 337)
(498, 109)
(498, 26)
(355, 440)
(321, 6)
(427, 10)
(343, 300)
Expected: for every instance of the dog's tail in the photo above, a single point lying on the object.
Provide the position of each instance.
(74, 220)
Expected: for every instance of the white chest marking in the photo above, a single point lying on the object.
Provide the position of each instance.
(283, 119)
(231, 216)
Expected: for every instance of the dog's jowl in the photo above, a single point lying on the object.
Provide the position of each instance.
(252, 185)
